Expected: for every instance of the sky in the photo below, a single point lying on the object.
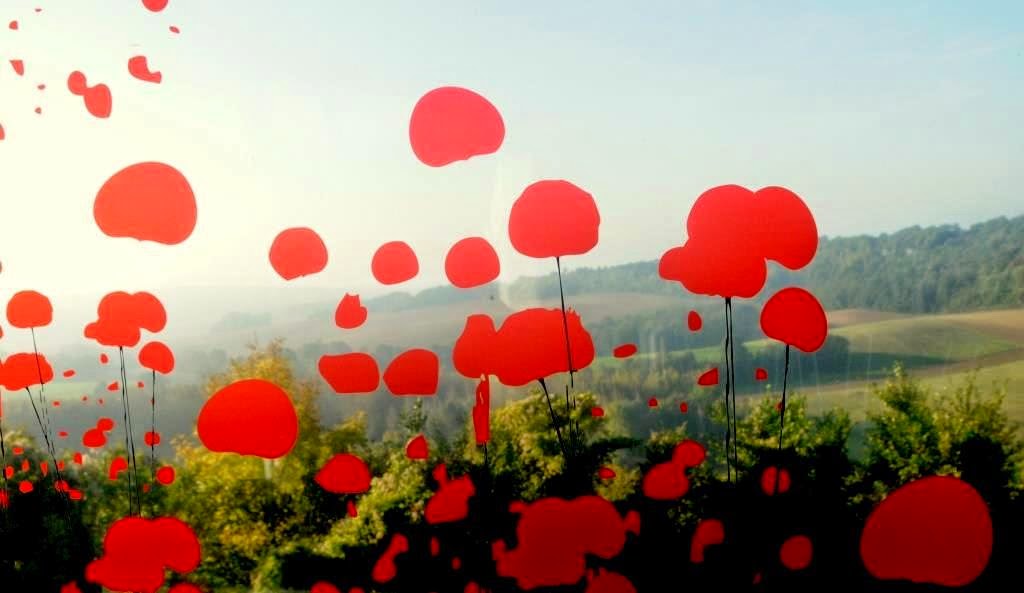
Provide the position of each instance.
(880, 115)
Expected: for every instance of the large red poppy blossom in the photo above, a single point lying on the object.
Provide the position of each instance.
(297, 252)
(794, 316)
(451, 124)
(354, 372)
(25, 369)
(344, 474)
(249, 417)
(155, 5)
(555, 536)
(530, 345)
(451, 501)
(413, 372)
(122, 316)
(733, 232)
(933, 530)
(553, 218)
(137, 552)
(471, 262)
(146, 201)
(156, 356)
(394, 262)
(28, 309)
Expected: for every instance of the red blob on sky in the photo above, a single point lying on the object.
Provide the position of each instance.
(732, 232)
(624, 351)
(249, 417)
(146, 201)
(114, 386)
(772, 476)
(693, 321)
(796, 552)
(98, 101)
(25, 369)
(413, 372)
(555, 536)
(394, 263)
(451, 124)
(553, 218)
(708, 378)
(138, 66)
(350, 313)
(471, 262)
(18, 66)
(451, 501)
(122, 316)
(384, 569)
(13, 25)
(29, 309)
(156, 356)
(354, 372)
(69, 373)
(137, 552)
(104, 359)
(155, 5)
(417, 447)
(344, 474)
(794, 316)
(933, 530)
(529, 346)
(297, 252)
(709, 532)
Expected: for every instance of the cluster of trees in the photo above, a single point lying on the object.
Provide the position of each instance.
(267, 525)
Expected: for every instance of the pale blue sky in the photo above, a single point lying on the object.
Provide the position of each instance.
(880, 114)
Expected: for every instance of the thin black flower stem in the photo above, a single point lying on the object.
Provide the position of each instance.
(728, 415)
(732, 379)
(130, 430)
(554, 419)
(782, 415)
(152, 427)
(565, 321)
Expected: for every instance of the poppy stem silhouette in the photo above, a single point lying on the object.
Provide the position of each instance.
(129, 439)
(732, 381)
(782, 413)
(42, 391)
(51, 450)
(565, 321)
(152, 427)
(554, 419)
(728, 414)
(3, 450)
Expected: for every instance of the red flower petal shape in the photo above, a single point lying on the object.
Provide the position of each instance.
(554, 218)
(796, 552)
(394, 263)
(146, 201)
(28, 309)
(122, 316)
(350, 314)
(97, 98)
(137, 552)
(760, 374)
(413, 372)
(417, 447)
(624, 350)
(793, 316)
(451, 124)
(296, 252)
(709, 532)
(138, 66)
(708, 378)
(155, 5)
(249, 417)
(344, 474)
(933, 530)
(471, 262)
(693, 321)
(354, 372)
(156, 356)
(25, 369)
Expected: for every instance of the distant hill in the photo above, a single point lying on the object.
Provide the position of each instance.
(915, 270)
